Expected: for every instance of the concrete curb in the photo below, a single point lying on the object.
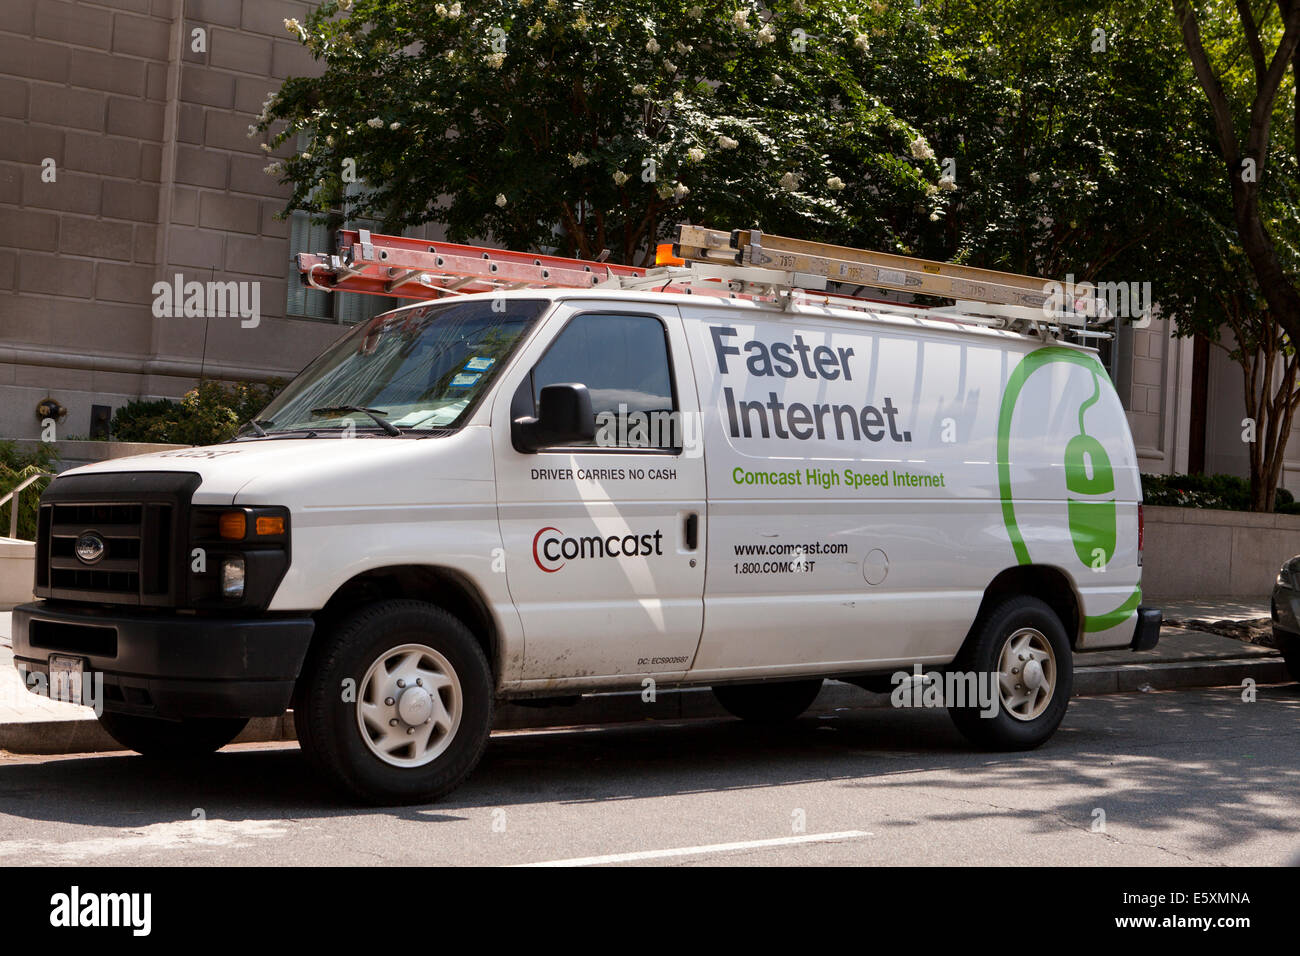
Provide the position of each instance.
(84, 735)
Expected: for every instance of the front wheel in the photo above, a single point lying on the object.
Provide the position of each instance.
(1022, 655)
(772, 703)
(396, 703)
(154, 737)
(1290, 648)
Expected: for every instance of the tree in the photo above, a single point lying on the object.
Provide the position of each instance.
(596, 124)
(1249, 90)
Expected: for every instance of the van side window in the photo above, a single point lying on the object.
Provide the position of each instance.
(623, 361)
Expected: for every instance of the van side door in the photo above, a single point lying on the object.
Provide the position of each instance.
(604, 540)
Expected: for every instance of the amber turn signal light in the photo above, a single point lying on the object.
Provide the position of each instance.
(664, 255)
(269, 525)
(232, 525)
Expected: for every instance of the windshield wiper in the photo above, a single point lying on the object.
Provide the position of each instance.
(376, 413)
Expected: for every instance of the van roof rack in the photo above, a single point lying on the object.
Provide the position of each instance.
(735, 264)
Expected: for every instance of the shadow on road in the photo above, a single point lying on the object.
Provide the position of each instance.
(1152, 760)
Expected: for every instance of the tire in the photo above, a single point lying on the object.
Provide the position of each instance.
(772, 703)
(1290, 647)
(154, 737)
(428, 664)
(1026, 716)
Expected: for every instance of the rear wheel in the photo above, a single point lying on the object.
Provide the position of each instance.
(154, 737)
(770, 703)
(1023, 645)
(396, 703)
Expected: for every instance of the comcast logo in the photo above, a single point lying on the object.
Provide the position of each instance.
(552, 549)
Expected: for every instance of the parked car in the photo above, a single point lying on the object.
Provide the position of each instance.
(1286, 614)
(542, 493)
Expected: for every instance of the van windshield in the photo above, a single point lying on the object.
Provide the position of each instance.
(419, 370)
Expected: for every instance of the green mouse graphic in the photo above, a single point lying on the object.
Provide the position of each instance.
(1090, 482)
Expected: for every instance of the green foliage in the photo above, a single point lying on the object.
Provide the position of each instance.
(208, 414)
(1227, 492)
(534, 121)
(16, 467)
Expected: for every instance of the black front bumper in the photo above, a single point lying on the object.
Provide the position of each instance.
(166, 664)
(1147, 633)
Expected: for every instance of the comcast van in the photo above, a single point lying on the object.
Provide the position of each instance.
(540, 493)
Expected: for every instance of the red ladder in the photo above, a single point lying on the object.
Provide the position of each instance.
(418, 269)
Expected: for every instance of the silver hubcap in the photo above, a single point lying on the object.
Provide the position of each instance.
(1026, 673)
(409, 706)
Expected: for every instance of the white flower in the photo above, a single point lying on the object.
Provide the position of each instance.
(790, 181)
(441, 10)
(695, 154)
(797, 6)
(375, 122)
(266, 147)
(577, 159)
(496, 60)
(639, 90)
(835, 183)
(394, 125)
(934, 217)
(726, 142)
(329, 140)
(652, 46)
(931, 189)
(1034, 177)
(306, 156)
(293, 27)
(345, 5)
(682, 48)
(741, 19)
(852, 19)
(777, 80)
(273, 170)
(537, 29)
(862, 42)
(453, 11)
(670, 67)
(501, 199)
(947, 183)
(765, 35)
(252, 131)
(695, 12)
(664, 190)
(678, 96)
(680, 192)
(878, 7)
(620, 178)
(921, 149)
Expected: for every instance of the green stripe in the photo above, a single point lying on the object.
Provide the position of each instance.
(1104, 622)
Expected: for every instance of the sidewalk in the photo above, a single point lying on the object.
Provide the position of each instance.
(1185, 657)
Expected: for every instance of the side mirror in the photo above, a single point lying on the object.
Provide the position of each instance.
(564, 417)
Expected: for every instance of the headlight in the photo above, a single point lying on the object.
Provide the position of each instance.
(1290, 573)
(232, 578)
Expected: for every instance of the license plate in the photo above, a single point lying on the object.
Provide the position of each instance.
(65, 678)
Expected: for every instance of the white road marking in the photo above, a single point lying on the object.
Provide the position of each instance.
(699, 850)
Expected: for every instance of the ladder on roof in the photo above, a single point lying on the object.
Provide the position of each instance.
(702, 261)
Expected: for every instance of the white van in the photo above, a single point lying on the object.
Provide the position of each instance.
(542, 493)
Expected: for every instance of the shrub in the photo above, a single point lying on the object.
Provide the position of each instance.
(1227, 492)
(15, 467)
(208, 414)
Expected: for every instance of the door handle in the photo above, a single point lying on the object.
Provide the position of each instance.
(691, 531)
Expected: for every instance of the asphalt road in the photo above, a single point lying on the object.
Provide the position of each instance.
(1182, 778)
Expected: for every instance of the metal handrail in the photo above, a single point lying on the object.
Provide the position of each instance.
(12, 498)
